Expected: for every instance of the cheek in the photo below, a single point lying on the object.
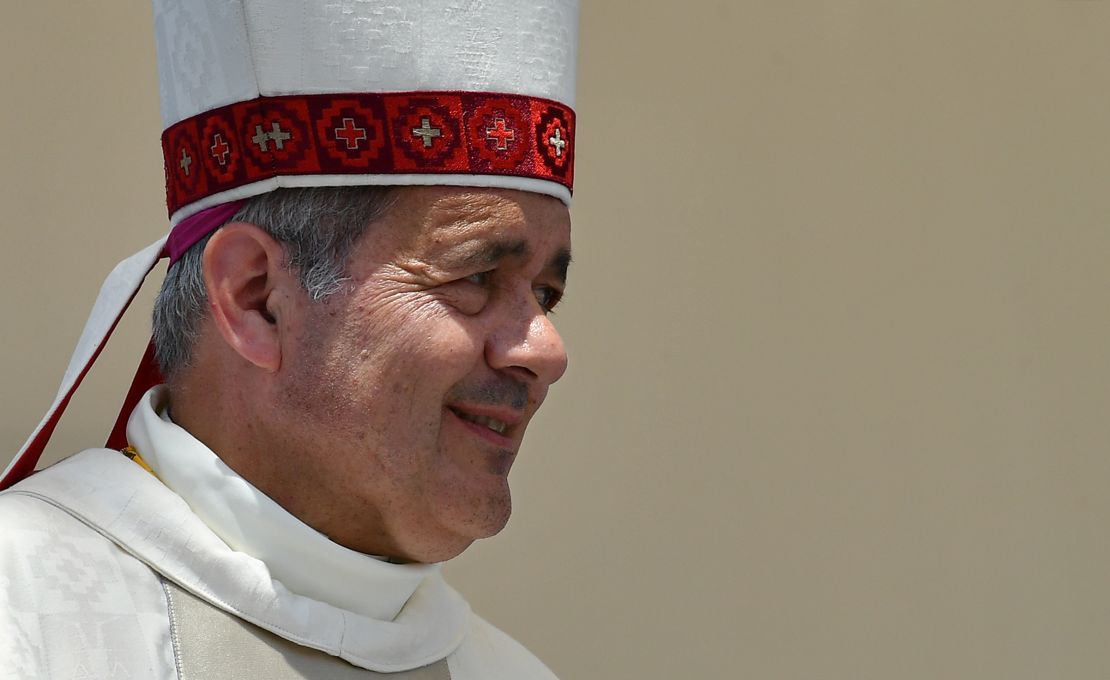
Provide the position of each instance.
(412, 337)
(394, 312)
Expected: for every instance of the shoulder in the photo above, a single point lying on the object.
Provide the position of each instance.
(33, 521)
(35, 534)
(490, 654)
(42, 543)
(72, 603)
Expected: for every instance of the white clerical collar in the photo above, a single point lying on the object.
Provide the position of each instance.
(301, 558)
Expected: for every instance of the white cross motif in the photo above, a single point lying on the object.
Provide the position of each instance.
(275, 135)
(558, 142)
(278, 137)
(261, 138)
(185, 161)
(426, 132)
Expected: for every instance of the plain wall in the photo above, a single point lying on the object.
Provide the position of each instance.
(838, 322)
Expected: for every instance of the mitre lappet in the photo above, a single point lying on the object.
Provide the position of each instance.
(261, 94)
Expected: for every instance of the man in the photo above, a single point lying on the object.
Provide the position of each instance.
(349, 364)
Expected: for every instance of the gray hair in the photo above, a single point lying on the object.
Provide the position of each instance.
(318, 227)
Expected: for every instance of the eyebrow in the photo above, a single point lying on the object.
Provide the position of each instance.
(487, 254)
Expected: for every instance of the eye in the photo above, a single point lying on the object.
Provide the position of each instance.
(480, 278)
(470, 293)
(548, 297)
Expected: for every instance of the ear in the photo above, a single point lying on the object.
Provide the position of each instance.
(248, 291)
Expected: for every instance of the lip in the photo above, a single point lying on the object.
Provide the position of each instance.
(510, 417)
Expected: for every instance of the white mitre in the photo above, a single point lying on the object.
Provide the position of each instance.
(260, 94)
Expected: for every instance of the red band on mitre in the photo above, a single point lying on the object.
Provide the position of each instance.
(368, 134)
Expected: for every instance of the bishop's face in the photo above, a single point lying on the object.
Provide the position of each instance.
(413, 387)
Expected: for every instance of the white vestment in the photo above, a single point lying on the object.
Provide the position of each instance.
(87, 546)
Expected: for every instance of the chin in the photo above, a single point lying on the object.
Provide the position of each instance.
(465, 510)
(484, 518)
(492, 528)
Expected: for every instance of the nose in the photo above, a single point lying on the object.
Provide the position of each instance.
(529, 346)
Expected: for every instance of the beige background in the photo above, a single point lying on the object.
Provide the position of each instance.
(838, 322)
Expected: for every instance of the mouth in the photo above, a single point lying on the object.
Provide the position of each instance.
(498, 426)
(490, 424)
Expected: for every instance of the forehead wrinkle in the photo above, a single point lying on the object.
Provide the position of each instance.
(462, 214)
(463, 232)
